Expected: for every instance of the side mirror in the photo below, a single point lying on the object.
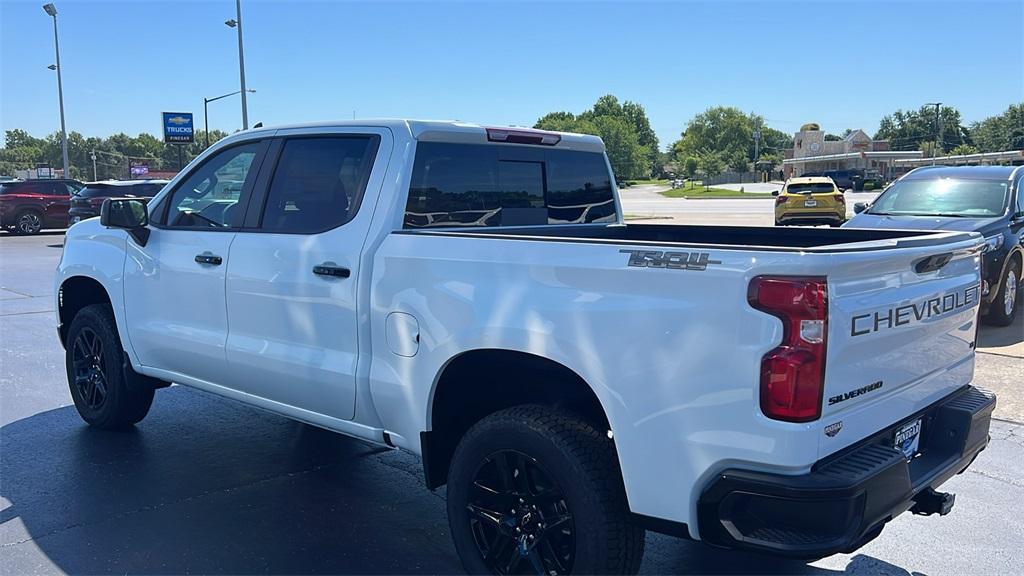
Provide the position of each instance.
(860, 207)
(127, 214)
(775, 192)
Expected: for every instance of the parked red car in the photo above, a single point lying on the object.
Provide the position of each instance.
(86, 203)
(28, 206)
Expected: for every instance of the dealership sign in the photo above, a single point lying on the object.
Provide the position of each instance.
(178, 127)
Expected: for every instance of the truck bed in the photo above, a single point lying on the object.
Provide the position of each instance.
(745, 237)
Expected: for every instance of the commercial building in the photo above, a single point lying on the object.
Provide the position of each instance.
(811, 153)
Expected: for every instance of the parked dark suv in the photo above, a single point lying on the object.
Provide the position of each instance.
(984, 199)
(86, 204)
(844, 179)
(28, 206)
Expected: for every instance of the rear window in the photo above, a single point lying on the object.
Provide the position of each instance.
(98, 190)
(813, 188)
(497, 185)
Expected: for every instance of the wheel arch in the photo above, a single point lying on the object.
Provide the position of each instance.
(511, 377)
(75, 293)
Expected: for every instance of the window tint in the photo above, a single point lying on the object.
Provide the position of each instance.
(208, 198)
(318, 183)
(487, 185)
(811, 188)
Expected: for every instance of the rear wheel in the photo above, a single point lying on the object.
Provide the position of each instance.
(28, 222)
(96, 372)
(1003, 309)
(532, 490)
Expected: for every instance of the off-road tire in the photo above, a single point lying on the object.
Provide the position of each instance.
(121, 406)
(580, 458)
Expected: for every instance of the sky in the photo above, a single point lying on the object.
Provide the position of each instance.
(840, 64)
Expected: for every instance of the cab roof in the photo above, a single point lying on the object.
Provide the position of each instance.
(447, 131)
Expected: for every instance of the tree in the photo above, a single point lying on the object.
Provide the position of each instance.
(630, 142)
(1002, 132)
(832, 138)
(906, 130)
(738, 161)
(627, 157)
(719, 129)
(711, 163)
(963, 150)
(690, 166)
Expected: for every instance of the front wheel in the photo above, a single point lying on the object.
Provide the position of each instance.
(1003, 309)
(96, 372)
(532, 490)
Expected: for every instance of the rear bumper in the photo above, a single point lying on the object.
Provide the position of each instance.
(847, 498)
(811, 218)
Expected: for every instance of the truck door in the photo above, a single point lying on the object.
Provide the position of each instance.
(294, 270)
(174, 285)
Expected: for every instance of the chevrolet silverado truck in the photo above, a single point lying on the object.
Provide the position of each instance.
(471, 295)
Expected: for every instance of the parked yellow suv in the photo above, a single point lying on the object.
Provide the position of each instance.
(810, 200)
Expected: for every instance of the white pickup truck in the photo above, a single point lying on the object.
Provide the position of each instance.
(472, 295)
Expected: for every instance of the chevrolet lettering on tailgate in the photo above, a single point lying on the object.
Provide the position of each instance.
(915, 312)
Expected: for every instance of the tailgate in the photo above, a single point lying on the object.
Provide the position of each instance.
(902, 327)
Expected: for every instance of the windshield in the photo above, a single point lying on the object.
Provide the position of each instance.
(811, 188)
(943, 197)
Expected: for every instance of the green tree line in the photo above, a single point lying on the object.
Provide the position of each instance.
(22, 151)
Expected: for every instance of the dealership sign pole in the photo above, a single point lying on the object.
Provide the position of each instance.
(178, 129)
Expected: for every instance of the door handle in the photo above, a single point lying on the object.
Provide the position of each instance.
(208, 258)
(331, 269)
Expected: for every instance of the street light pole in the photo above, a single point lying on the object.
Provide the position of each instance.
(938, 129)
(52, 11)
(206, 102)
(237, 23)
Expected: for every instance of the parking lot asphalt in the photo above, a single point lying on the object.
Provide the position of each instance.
(207, 485)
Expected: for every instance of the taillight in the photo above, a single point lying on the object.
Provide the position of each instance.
(793, 374)
(841, 198)
(780, 199)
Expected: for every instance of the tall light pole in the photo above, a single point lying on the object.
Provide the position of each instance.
(237, 23)
(938, 129)
(52, 11)
(206, 102)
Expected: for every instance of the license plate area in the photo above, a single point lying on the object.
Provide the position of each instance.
(907, 438)
(811, 203)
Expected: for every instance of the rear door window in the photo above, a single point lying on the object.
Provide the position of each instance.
(488, 185)
(318, 183)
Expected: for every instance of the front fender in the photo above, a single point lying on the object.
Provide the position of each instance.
(98, 253)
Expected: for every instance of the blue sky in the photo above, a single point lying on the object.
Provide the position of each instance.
(841, 64)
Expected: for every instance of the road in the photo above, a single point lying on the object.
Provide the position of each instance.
(206, 485)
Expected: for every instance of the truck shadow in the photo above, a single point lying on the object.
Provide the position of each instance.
(205, 485)
(997, 337)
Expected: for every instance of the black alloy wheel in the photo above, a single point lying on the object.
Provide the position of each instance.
(519, 517)
(90, 377)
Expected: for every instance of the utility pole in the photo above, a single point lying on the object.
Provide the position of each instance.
(938, 129)
(93, 156)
